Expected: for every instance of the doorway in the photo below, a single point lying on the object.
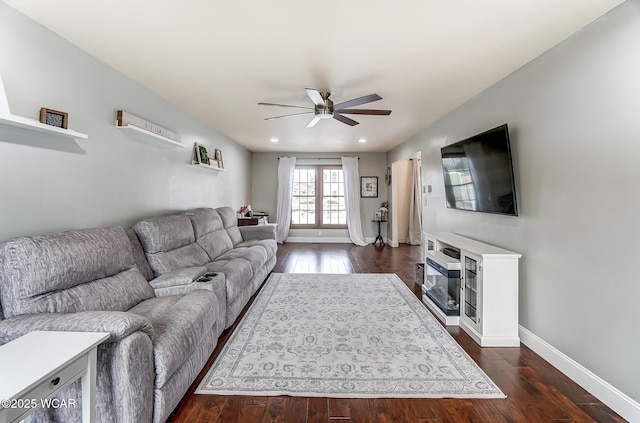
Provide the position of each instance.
(405, 208)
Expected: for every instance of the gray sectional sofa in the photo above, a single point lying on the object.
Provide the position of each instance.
(164, 291)
(208, 240)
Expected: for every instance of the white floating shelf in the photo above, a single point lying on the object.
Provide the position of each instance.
(205, 166)
(37, 126)
(135, 132)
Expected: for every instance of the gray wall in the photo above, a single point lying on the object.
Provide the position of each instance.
(48, 185)
(264, 191)
(575, 126)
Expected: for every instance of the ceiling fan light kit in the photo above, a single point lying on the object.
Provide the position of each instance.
(325, 109)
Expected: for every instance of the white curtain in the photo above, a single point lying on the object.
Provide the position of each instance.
(352, 199)
(415, 216)
(285, 191)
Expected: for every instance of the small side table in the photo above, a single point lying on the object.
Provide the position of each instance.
(37, 366)
(379, 237)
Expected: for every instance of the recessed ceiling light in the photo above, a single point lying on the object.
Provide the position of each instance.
(273, 140)
(362, 140)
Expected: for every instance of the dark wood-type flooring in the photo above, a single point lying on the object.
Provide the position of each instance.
(536, 391)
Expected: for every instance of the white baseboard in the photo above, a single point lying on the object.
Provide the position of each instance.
(324, 239)
(615, 399)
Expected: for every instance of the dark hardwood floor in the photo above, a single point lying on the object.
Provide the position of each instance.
(536, 391)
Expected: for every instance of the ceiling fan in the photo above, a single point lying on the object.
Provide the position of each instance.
(325, 109)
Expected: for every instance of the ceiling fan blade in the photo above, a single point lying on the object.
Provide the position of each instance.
(285, 105)
(313, 122)
(357, 101)
(286, 116)
(366, 112)
(345, 119)
(315, 96)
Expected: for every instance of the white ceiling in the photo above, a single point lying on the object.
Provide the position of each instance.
(217, 59)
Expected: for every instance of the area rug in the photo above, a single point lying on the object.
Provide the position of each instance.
(344, 336)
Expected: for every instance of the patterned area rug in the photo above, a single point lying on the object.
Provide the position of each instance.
(346, 336)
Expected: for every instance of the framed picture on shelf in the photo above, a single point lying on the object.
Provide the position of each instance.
(201, 154)
(377, 216)
(218, 156)
(54, 118)
(369, 187)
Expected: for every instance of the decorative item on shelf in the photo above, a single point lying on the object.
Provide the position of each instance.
(245, 211)
(387, 176)
(33, 125)
(369, 186)
(201, 155)
(377, 216)
(127, 119)
(218, 158)
(54, 118)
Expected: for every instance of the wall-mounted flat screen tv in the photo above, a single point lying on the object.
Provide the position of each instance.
(478, 173)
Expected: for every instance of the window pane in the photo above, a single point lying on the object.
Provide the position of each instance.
(333, 209)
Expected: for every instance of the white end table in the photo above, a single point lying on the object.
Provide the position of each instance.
(40, 364)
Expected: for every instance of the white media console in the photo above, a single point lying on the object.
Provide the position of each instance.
(477, 291)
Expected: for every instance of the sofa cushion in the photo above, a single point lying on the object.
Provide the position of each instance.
(164, 233)
(215, 243)
(269, 245)
(179, 323)
(235, 235)
(138, 255)
(230, 223)
(255, 255)
(209, 231)
(204, 220)
(83, 270)
(169, 243)
(191, 255)
(228, 217)
(237, 273)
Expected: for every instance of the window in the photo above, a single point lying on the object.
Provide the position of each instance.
(318, 197)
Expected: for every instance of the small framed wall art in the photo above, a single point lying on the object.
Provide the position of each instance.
(54, 118)
(218, 156)
(201, 154)
(369, 186)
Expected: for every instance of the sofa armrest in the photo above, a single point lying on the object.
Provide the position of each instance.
(258, 232)
(118, 324)
(178, 277)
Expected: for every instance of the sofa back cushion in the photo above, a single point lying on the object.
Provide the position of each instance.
(209, 231)
(169, 243)
(83, 270)
(138, 255)
(230, 223)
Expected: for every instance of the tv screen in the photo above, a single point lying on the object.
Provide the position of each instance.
(478, 174)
